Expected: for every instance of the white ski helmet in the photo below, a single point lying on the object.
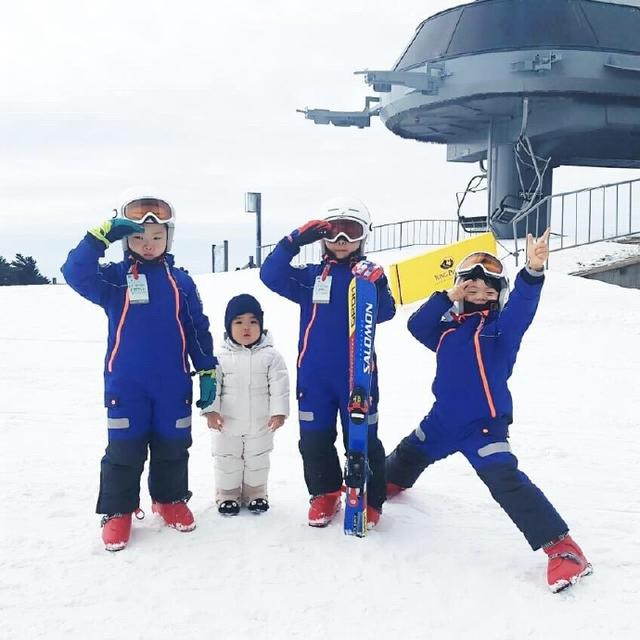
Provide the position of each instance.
(482, 265)
(348, 209)
(159, 211)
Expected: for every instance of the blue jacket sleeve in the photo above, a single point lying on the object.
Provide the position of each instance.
(521, 307)
(426, 324)
(278, 274)
(386, 303)
(85, 275)
(196, 327)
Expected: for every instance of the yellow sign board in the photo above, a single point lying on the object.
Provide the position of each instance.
(417, 278)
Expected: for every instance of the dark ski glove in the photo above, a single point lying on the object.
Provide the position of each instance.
(309, 232)
(115, 229)
(208, 384)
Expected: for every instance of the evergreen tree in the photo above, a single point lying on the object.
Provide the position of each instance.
(26, 271)
(7, 274)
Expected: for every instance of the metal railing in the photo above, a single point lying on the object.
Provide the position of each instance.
(584, 216)
(394, 235)
(409, 233)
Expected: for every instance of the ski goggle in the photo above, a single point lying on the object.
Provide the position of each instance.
(145, 209)
(348, 228)
(481, 262)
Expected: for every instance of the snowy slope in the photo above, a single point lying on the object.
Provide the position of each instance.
(444, 563)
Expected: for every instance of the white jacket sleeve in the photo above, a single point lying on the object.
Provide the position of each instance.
(278, 386)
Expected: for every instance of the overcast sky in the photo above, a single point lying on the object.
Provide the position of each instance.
(197, 100)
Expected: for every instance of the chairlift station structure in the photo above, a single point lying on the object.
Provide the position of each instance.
(521, 85)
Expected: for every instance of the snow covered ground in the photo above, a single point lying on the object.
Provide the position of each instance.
(445, 561)
(594, 255)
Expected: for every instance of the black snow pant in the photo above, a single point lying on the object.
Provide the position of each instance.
(322, 472)
(122, 465)
(320, 402)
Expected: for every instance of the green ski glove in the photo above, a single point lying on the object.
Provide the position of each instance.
(115, 229)
(208, 384)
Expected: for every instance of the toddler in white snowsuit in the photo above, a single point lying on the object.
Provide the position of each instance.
(252, 402)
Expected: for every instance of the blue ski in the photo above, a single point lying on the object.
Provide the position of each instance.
(363, 302)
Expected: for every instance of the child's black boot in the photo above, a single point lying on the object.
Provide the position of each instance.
(258, 505)
(229, 508)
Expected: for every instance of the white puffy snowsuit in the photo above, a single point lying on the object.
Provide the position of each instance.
(253, 385)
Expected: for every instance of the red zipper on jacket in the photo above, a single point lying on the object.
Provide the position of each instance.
(307, 331)
(125, 310)
(483, 373)
(116, 344)
(123, 315)
(481, 368)
(177, 299)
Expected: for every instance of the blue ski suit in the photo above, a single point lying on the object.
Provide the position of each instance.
(146, 374)
(323, 367)
(473, 409)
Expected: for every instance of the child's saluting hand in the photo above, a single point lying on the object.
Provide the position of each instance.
(538, 250)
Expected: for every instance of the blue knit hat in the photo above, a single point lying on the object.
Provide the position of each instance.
(244, 303)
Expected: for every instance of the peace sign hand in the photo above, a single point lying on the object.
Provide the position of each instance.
(538, 250)
(459, 291)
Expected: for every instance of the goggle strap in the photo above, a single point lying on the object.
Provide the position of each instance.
(491, 274)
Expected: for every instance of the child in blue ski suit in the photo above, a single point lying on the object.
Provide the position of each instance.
(155, 323)
(323, 360)
(476, 351)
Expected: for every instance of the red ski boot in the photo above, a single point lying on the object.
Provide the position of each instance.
(323, 508)
(393, 490)
(373, 516)
(175, 514)
(567, 563)
(116, 530)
